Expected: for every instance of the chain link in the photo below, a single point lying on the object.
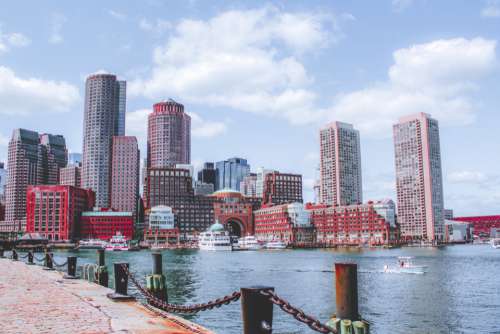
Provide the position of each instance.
(23, 256)
(297, 313)
(57, 264)
(173, 308)
(39, 259)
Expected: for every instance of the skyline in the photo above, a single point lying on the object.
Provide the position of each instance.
(223, 128)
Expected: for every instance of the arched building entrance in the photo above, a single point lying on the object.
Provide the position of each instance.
(235, 227)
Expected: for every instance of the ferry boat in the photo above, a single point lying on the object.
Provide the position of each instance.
(91, 244)
(405, 266)
(216, 238)
(249, 243)
(495, 243)
(276, 244)
(117, 243)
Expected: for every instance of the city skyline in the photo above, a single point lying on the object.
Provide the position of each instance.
(277, 141)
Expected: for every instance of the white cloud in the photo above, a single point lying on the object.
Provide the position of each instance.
(232, 60)
(14, 39)
(205, 129)
(33, 95)
(491, 10)
(466, 176)
(157, 26)
(117, 15)
(437, 78)
(56, 23)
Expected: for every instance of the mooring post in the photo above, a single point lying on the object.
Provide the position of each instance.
(157, 282)
(1, 253)
(14, 255)
(256, 310)
(121, 283)
(71, 260)
(30, 258)
(102, 270)
(49, 265)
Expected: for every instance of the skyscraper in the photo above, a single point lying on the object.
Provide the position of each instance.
(340, 165)
(419, 182)
(169, 135)
(101, 123)
(122, 107)
(231, 172)
(3, 179)
(207, 174)
(259, 182)
(33, 159)
(125, 174)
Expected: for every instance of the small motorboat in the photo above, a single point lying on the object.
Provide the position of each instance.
(91, 244)
(249, 243)
(405, 266)
(276, 244)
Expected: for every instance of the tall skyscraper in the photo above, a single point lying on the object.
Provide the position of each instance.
(340, 165)
(207, 174)
(125, 174)
(3, 179)
(32, 159)
(169, 135)
(101, 123)
(419, 182)
(231, 172)
(122, 107)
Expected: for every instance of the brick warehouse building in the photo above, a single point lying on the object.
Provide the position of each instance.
(55, 211)
(481, 225)
(106, 223)
(357, 224)
(282, 188)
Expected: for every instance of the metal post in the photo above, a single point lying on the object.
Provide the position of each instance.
(157, 263)
(71, 268)
(102, 270)
(256, 311)
(48, 261)
(1, 253)
(157, 283)
(14, 255)
(30, 258)
(121, 283)
(346, 291)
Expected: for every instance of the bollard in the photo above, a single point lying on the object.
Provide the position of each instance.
(1, 253)
(346, 287)
(256, 311)
(30, 258)
(102, 270)
(71, 268)
(14, 255)
(48, 265)
(121, 283)
(157, 283)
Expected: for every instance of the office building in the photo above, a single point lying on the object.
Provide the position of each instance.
(259, 182)
(248, 187)
(70, 176)
(202, 188)
(231, 172)
(161, 230)
(3, 179)
(208, 174)
(282, 188)
(104, 224)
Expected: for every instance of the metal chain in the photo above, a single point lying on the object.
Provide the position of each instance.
(23, 256)
(297, 313)
(57, 264)
(38, 259)
(174, 308)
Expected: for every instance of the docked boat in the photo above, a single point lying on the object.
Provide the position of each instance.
(405, 265)
(216, 238)
(276, 244)
(249, 243)
(495, 243)
(91, 244)
(117, 243)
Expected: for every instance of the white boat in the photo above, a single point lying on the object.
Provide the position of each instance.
(495, 243)
(405, 266)
(249, 243)
(216, 238)
(117, 243)
(92, 244)
(276, 244)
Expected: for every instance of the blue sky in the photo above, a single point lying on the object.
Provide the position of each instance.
(260, 78)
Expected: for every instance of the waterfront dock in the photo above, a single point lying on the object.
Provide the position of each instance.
(33, 300)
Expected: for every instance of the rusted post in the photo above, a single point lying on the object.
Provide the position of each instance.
(102, 270)
(121, 283)
(71, 268)
(346, 291)
(157, 283)
(49, 265)
(256, 311)
(100, 254)
(14, 255)
(1, 253)
(30, 258)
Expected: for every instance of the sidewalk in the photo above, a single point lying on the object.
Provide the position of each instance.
(33, 300)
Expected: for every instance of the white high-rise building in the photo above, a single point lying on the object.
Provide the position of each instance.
(340, 165)
(419, 181)
(259, 182)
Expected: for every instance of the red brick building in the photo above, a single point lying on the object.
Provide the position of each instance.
(54, 211)
(352, 225)
(70, 176)
(234, 211)
(282, 188)
(481, 225)
(106, 223)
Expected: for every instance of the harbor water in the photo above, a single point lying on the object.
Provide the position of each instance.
(460, 293)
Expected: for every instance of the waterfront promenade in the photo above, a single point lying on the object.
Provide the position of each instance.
(33, 300)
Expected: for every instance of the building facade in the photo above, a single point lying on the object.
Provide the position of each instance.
(208, 174)
(122, 107)
(259, 183)
(70, 176)
(248, 187)
(101, 123)
(340, 165)
(32, 159)
(161, 229)
(54, 211)
(419, 182)
(282, 188)
(169, 135)
(482, 226)
(234, 212)
(231, 172)
(3, 179)
(202, 188)
(125, 164)
(105, 224)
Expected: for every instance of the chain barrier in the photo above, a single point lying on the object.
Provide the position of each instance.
(57, 264)
(297, 313)
(173, 308)
(42, 259)
(24, 256)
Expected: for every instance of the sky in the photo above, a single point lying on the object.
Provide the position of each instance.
(260, 78)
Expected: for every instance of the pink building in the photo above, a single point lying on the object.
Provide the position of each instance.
(419, 178)
(125, 174)
(70, 176)
(340, 165)
(169, 135)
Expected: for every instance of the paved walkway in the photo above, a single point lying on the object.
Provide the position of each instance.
(33, 300)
